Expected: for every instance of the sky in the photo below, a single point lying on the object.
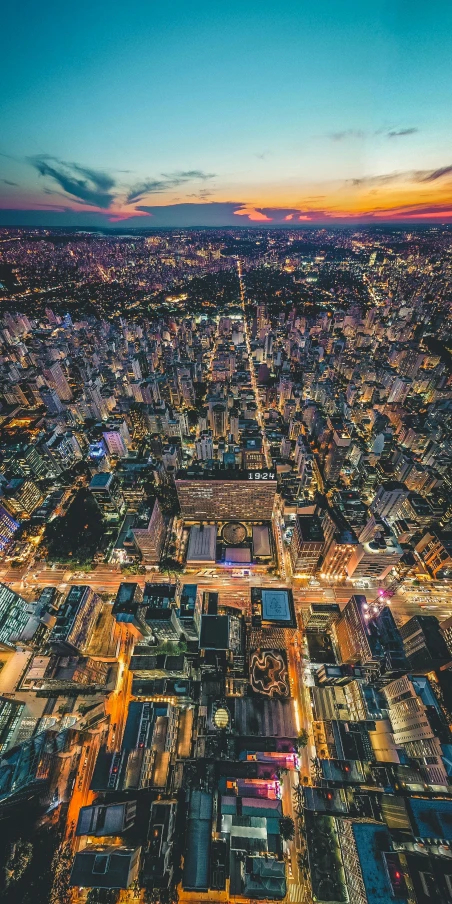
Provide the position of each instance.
(225, 113)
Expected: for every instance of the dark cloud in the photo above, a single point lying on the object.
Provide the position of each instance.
(85, 185)
(229, 213)
(222, 214)
(7, 182)
(210, 213)
(149, 187)
(402, 133)
(433, 175)
(166, 182)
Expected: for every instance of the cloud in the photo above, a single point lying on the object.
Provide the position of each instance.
(166, 182)
(256, 216)
(230, 213)
(402, 177)
(222, 214)
(360, 134)
(402, 133)
(85, 185)
(7, 182)
(433, 175)
(384, 179)
(187, 175)
(202, 195)
(277, 215)
(410, 212)
(347, 133)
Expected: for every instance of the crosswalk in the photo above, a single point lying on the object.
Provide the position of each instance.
(296, 893)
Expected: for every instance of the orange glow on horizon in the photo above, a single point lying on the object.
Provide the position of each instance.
(423, 195)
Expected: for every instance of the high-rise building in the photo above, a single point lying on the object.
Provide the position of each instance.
(75, 621)
(234, 424)
(399, 390)
(339, 550)
(446, 631)
(115, 444)
(22, 497)
(51, 401)
(14, 614)
(261, 316)
(412, 728)
(252, 455)
(219, 420)
(389, 500)
(226, 494)
(56, 379)
(375, 557)
(369, 637)
(10, 713)
(107, 493)
(320, 616)
(336, 455)
(423, 642)
(150, 540)
(36, 460)
(33, 768)
(435, 552)
(204, 446)
(8, 527)
(307, 544)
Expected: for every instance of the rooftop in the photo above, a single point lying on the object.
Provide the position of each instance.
(101, 481)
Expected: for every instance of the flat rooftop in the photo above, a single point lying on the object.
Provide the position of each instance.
(261, 540)
(214, 632)
(100, 481)
(310, 527)
(275, 605)
(202, 544)
(237, 555)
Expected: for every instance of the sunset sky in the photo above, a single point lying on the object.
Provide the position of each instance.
(225, 113)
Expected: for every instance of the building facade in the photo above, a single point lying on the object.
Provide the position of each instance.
(226, 495)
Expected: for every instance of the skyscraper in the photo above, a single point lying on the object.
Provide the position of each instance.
(149, 540)
(336, 455)
(307, 544)
(8, 527)
(56, 380)
(10, 713)
(369, 637)
(14, 614)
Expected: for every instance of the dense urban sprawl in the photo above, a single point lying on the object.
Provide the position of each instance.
(226, 566)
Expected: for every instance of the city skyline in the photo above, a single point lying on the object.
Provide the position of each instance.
(231, 117)
(226, 453)
(226, 565)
